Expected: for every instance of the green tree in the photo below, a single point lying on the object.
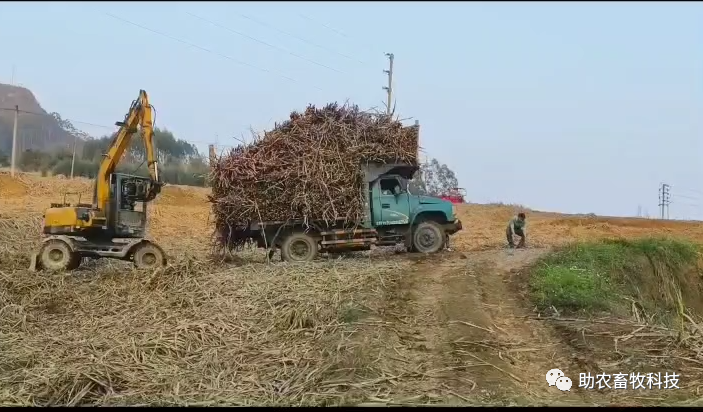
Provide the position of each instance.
(167, 146)
(433, 178)
(179, 161)
(34, 160)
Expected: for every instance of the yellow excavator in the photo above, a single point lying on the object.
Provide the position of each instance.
(114, 225)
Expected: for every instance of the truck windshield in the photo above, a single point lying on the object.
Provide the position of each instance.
(406, 185)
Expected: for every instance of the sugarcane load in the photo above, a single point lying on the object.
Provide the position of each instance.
(331, 179)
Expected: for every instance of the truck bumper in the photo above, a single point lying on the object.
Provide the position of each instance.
(453, 227)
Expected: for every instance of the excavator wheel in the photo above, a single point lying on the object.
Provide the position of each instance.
(148, 256)
(56, 255)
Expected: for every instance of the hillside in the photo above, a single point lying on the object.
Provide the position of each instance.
(34, 131)
(458, 327)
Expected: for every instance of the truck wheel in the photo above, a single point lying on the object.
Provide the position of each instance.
(56, 255)
(428, 237)
(299, 247)
(148, 256)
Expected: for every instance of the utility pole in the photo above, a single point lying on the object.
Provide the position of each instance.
(664, 200)
(417, 126)
(212, 159)
(389, 88)
(212, 154)
(14, 142)
(73, 158)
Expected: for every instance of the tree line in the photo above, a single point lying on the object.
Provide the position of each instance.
(179, 161)
(433, 179)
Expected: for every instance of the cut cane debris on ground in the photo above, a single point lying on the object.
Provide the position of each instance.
(627, 306)
(462, 327)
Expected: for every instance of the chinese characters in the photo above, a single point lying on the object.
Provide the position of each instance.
(631, 381)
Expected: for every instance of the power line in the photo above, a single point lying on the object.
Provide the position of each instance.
(690, 201)
(263, 42)
(686, 197)
(689, 190)
(325, 26)
(338, 32)
(79, 122)
(49, 115)
(300, 38)
(195, 46)
(686, 204)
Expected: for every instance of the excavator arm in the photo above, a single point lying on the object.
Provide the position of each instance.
(140, 115)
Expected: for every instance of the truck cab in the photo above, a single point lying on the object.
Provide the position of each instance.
(421, 222)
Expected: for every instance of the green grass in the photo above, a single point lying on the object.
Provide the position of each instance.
(596, 276)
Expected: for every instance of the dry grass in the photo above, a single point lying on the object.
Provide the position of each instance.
(617, 345)
(181, 219)
(192, 334)
(202, 333)
(197, 332)
(485, 227)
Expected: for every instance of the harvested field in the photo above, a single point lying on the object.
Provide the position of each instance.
(192, 334)
(382, 328)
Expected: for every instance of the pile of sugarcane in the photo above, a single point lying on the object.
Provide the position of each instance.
(307, 168)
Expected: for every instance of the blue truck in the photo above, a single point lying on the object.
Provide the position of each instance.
(392, 216)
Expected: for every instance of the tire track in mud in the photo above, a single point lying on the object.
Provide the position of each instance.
(477, 330)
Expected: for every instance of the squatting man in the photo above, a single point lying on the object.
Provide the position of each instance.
(516, 227)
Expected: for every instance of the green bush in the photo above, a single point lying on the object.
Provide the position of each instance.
(594, 276)
(175, 173)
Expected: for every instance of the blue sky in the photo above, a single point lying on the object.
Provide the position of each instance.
(571, 107)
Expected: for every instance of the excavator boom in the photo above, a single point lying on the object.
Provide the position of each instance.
(140, 114)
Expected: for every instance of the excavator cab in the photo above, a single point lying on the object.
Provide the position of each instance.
(127, 209)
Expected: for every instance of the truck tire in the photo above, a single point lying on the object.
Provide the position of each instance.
(428, 237)
(299, 247)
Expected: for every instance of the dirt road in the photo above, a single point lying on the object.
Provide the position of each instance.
(472, 330)
(477, 322)
(479, 340)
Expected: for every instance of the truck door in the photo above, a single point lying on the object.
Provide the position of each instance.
(394, 202)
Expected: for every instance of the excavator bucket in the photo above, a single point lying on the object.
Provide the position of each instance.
(34, 264)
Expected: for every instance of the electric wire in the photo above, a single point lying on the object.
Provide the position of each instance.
(300, 38)
(201, 48)
(213, 23)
